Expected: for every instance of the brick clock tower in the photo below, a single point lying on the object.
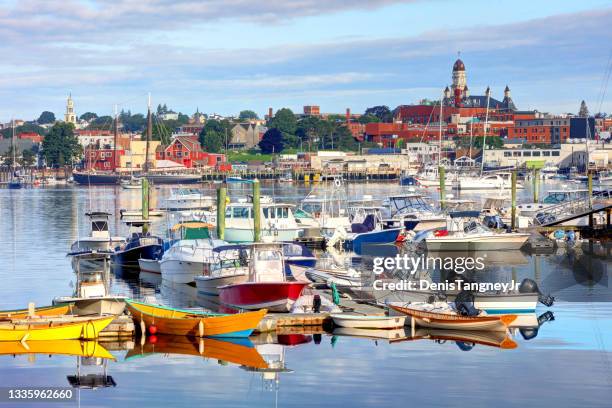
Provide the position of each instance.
(459, 81)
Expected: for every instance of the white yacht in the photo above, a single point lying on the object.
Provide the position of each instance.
(191, 255)
(230, 267)
(553, 197)
(497, 181)
(188, 199)
(277, 222)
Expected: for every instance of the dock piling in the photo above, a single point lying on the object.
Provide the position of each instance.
(536, 185)
(513, 222)
(145, 202)
(256, 211)
(221, 197)
(442, 177)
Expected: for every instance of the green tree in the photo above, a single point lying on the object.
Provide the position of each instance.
(247, 114)
(272, 141)
(382, 112)
(212, 136)
(132, 123)
(286, 123)
(493, 142)
(46, 117)
(60, 145)
(310, 130)
(88, 116)
(364, 119)
(102, 122)
(182, 119)
(25, 128)
(28, 158)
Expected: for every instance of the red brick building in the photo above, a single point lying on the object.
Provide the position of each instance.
(102, 159)
(553, 130)
(186, 150)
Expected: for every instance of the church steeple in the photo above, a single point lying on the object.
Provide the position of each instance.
(70, 116)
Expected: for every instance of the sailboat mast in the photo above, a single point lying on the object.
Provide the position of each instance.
(484, 139)
(149, 133)
(440, 132)
(586, 145)
(115, 132)
(13, 143)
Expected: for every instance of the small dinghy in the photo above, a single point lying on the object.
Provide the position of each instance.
(375, 334)
(342, 278)
(368, 322)
(443, 316)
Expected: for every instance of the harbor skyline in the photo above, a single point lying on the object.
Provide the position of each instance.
(357, 55)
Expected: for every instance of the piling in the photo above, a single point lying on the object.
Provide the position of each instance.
(145, 202)
(536, 185)
(221, 197)
(256, 211)
(442, 177)
(590, 187)
(513, 222)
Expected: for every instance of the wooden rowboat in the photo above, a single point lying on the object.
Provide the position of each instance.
(79, 348)
(368, 322)
(236, 351)
(167, 320)
(55, 310)
(52, 328)
(453, 321)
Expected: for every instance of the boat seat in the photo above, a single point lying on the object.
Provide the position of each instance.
(366, 226)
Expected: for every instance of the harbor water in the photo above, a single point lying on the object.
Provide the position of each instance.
(565, 362)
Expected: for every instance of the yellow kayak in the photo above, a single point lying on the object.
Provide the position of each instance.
(56, 310)
(53, 328)
(79, 348)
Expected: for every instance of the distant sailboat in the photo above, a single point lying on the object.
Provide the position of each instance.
(15, 182)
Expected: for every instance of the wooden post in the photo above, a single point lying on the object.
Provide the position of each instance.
(513, 222)
(590, 186)
(536, 185)
(256, 211)
(221, 197)
(145, 203)
(442, 177)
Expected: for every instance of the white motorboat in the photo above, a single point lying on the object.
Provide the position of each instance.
(465, 233)
(368, 322)
(278, 223)
(191, 255)
(553, 197)
(100, 239)
(230, 267)
(133, 183)
(188, 199)
(138, 213)
(412, 212)
(497, 181)
(327, 212)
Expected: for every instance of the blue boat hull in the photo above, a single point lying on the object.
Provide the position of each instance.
(387, 236)
(129, 258)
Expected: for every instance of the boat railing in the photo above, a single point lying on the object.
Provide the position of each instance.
(566, 209)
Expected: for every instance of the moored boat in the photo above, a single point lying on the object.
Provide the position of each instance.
(267, 286)
(53, 310)
(167, 320)
(368, 322)
(79, 348)
(52, 328)
(441, 317)
(138, 245)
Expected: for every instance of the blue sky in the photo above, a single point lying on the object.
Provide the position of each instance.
(225, 56)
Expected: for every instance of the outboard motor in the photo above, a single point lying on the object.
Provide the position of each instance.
(530, 333)
(464, 303)
(530, 286)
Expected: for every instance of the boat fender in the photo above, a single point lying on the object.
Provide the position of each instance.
(152, 329)
(463, 346)
(316, 304)
(529, 334)
(464, 303)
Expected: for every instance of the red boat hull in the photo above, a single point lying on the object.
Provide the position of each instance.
(274, 296)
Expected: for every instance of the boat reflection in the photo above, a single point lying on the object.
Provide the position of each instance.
(236, 351)
(91, 374)
(465, 340)
(78, 348)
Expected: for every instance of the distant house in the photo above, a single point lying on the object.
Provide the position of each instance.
(33, 136)
(186, 150)
(169, 116)
(246, 135)
(102, 159)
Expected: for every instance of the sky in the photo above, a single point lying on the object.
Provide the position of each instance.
(223, 56)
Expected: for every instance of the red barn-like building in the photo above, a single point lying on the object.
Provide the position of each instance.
(186, 150)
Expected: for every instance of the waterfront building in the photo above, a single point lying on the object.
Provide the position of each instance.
(187, 151)
(246, 135)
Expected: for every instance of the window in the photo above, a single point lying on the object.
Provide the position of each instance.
(555, 153)
(507, 154)
(179, 154)
(526, 154)
(545, 153)
(516, 154)
(537, 154)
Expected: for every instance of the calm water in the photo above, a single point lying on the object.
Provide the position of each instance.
(568, 363)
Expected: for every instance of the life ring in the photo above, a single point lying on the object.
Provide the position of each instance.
(337, 182)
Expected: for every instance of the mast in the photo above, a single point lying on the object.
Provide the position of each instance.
(13, 143)
(484, 139)
(115, 132)
(586, 145)
(149, 133)
(440, 131)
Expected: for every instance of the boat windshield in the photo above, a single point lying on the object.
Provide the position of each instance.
(556, 197)
(401, 203)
